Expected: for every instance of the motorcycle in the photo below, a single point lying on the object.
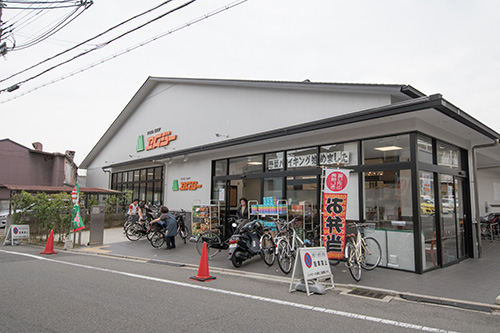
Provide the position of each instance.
(244, 244)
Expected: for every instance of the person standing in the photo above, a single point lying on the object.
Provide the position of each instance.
(242, 212)
(171, 232)
(132, 209)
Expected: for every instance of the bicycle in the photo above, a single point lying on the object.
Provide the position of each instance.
(138, 230)
(216, 240)
(182, 228)
(287, 246)
(361, 252)
(157, 238)
(268, 242)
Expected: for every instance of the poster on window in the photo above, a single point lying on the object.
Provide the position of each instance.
(334, 210)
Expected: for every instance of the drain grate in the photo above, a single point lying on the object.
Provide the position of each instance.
(367, 293)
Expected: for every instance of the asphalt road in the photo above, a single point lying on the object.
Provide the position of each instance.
(71, 292)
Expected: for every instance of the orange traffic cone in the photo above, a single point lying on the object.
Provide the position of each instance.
(203, 274)
(49, 248)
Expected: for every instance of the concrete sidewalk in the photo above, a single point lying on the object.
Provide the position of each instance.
(470, 281)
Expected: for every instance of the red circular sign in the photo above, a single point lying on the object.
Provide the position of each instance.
(336, 181)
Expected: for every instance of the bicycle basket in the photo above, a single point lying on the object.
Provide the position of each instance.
(367, 228)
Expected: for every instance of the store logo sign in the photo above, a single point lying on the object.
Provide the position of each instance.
(154, 141)
(186, 186)
(140, 143)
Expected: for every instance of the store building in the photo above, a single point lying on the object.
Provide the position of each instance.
(411, 156)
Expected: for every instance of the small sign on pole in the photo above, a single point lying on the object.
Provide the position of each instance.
(311, 264)
(16, 231)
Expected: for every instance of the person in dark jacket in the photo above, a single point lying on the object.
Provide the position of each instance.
(167, 220)
(242, 212)
(171, 232)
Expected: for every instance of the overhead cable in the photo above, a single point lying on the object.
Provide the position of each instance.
(88, 40)
(98, 46)
(102, 61)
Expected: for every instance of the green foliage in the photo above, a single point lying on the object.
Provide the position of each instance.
(21, 203)
(52, 211)
(118, 203)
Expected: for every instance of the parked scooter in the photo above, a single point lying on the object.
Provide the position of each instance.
(245, 243)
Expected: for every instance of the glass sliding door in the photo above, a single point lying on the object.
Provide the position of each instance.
(448, 219)
(428, 219)
(460, 217)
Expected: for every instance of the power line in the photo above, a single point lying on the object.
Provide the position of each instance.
(32, 11)
(17, 85)
(104, 60)
(88, 40)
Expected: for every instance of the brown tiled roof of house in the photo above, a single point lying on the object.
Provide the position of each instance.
(54, 189)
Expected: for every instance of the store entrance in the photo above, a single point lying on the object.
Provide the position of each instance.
(249, 188)
(452, 219)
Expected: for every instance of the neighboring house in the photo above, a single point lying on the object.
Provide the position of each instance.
(20, 165)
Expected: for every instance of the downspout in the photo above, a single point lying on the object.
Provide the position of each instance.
(109, 174)
(477, 219)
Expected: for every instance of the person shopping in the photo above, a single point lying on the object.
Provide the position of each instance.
(167, 220)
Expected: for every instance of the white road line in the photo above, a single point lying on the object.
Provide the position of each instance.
(237, 294)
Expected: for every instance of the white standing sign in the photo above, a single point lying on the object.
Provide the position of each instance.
(311, 263)
(17, 231)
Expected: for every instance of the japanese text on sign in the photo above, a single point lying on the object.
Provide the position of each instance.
(334, 220)
(160, 140)
(189, 186)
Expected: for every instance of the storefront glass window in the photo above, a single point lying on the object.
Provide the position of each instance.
(221, 168)
(273, 187)
(302, 193)
(388, 205)
(339, 154)
(149, 192)
(448, 155)
(157, 193)
(424, 146)
(245, 165)
(218, 186)
(158, 173)
(274, 161)
(391, 149)
(302, 158)
(149, 189)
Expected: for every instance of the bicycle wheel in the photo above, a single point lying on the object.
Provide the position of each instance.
(133, 232)
(372, 253)
(285, 256)
(210, 237)
(352, 262)
(157, 239)
(267, 249)
(184, 233)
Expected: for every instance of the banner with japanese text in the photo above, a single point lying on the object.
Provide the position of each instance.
(76, 219)
(334, 210)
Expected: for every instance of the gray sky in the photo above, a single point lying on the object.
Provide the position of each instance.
(449, 47)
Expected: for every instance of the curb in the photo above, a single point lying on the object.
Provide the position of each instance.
(467, 305)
